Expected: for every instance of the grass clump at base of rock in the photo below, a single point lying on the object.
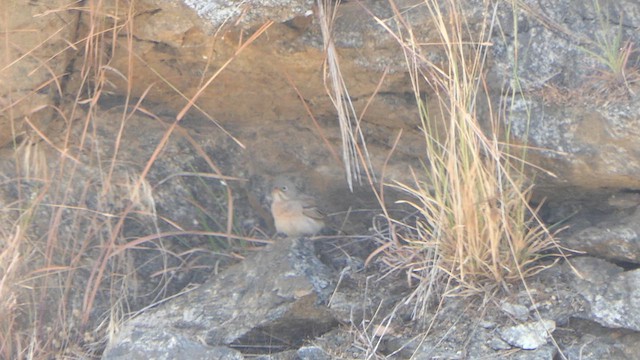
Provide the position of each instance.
(474, 230)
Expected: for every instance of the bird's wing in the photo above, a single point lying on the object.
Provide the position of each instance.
(314, 213)
(309, 208)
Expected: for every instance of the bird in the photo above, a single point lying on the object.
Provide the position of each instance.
(294, 214)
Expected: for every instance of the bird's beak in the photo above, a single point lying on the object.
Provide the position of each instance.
(278, 194)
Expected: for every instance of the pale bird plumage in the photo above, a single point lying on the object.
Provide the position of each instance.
(294, 214)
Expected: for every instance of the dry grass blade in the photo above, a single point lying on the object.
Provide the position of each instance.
(10, 260)
(251, 39)
(327, 144)
(204, 113)
(474, 230)
(354, 149)
(76, 188)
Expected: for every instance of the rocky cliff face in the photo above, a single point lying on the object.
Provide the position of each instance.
(248, 81)
(577, 110)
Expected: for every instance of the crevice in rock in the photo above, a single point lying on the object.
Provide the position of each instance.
(289, 335)
(627, 265)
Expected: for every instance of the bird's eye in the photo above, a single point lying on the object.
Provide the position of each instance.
(284, 188)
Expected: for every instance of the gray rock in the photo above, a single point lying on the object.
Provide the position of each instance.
(167, 345)
(557, 46)
(591, 348)
(545, 352)
(312, 353)
(248, 13)
(614, 236)
(613, 296)
(274, 297)
(519, 312)
(528, 336)
(594, 343)
(498, 344)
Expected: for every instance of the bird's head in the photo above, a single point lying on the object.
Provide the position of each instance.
(283, 189)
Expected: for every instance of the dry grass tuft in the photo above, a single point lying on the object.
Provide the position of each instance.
(31, 159)
(82, 213)
(474, 230)
(11, 260)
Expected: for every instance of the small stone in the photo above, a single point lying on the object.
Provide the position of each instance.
(528, 336)
(312, 353)
(486, 324)
(498, 344)
(519, 312)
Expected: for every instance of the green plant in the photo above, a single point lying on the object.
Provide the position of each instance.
(611, 50)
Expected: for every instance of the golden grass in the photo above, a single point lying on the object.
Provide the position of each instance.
(354, 148)
(474, 230)
(474, 225)
(67, 269)
(11, 260)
